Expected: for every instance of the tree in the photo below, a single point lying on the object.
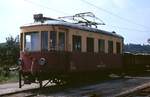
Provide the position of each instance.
(9, 53)
(12, 50)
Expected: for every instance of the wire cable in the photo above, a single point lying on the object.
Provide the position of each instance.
(40, 5)
(128, 29)
(125, 28)
(115, 15)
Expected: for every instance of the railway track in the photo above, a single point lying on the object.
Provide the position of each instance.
(12, 89)
(23, 93)
(145, 92)
(127, 87)
(32, 92)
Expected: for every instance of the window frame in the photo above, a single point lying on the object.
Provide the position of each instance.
(53, 48)
(61, 48)
(77, 47)
(38, 48)
(110, 47)
(90, 44)
(43, 42)
(118, 50)
(101, 45)
(21, 41)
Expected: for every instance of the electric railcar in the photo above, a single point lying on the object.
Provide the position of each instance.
(52, 48)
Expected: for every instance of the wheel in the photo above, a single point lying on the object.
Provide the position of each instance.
(20, 79)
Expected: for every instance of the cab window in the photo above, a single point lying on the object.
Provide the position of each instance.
(53, 40)
(32, 41)
(61, 41)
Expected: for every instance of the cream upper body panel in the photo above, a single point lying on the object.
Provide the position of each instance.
(75, 29)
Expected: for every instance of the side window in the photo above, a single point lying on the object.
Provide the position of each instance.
(53, 38)
(118, 47)
(76, 43)
(101, 45)
(110, 47)
(44, 40)
(90, 45)
(61, 41)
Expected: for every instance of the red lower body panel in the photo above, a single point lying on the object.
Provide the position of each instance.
(57, 62)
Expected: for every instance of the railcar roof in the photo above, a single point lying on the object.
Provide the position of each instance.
(71, 25)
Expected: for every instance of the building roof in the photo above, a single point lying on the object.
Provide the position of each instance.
(71, 25)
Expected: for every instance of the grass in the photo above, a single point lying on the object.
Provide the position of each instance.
(13, 77)
(3, 79)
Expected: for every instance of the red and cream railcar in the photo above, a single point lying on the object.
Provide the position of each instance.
(54, 47)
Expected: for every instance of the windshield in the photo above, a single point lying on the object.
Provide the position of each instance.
(32, 41)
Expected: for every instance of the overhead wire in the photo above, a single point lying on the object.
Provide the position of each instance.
(129, 29)
(58, 11)
(113, 14)
(43, 6)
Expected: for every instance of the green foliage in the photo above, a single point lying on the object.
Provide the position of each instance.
(12, 78)
(9, 54)
(3, 79)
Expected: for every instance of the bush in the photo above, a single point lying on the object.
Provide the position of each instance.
(9, 54)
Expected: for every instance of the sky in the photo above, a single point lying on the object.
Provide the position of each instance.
(129, 18)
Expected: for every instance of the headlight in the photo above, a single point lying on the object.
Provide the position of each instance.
(42, 61)
(19, 61)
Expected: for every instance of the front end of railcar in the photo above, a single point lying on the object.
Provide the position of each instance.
(32, 61)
